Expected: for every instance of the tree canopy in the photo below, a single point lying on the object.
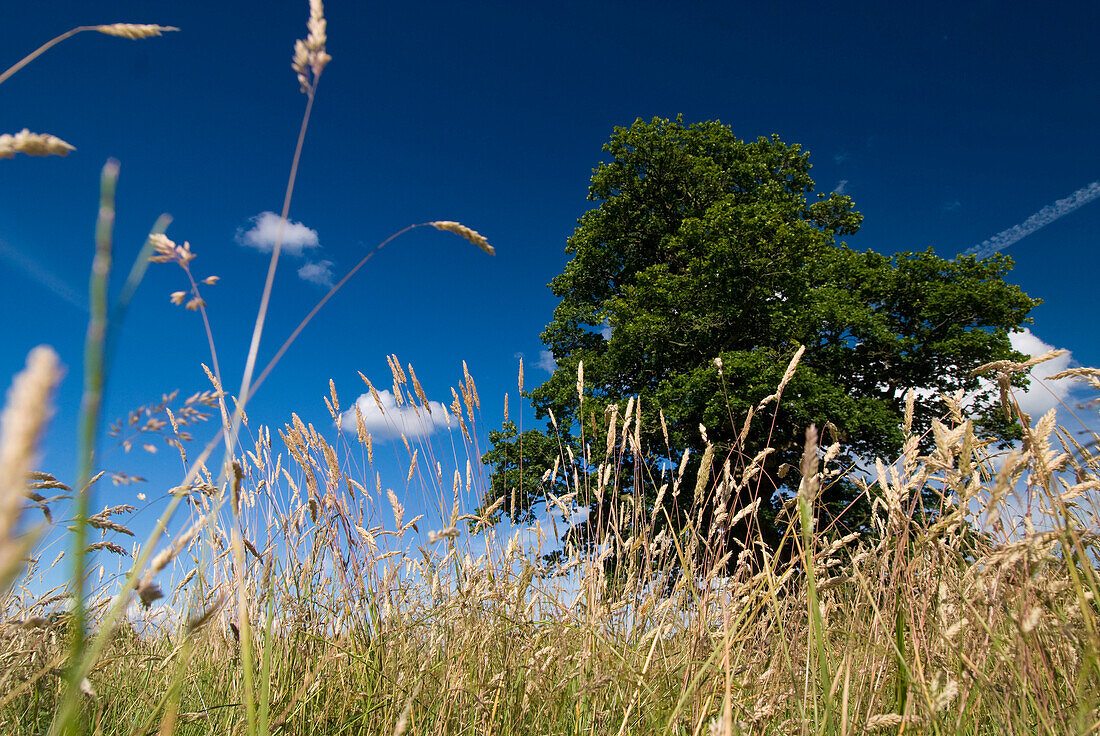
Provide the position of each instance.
(702, 246)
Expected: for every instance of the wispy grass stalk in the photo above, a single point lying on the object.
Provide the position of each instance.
(807, 493)
(90, 421)
(126, 30)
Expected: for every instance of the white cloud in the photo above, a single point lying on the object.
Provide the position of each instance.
(606, 330)
(547, 362)
(840, 186)
(319, 273)
(391, 421)
(265, 229)
(1040, 219)
(841, 157)
(1041, 396)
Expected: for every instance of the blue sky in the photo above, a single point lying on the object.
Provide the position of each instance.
(947, 123)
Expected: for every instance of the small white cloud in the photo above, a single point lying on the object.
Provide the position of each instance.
(840, 186)
(265, 229)
(841, 157)
(391, 421)
(319, 273)
(606, 330)
(547, 362)
(1041, 396)
(951, 206)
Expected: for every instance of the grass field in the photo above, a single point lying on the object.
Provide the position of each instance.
(298, 596)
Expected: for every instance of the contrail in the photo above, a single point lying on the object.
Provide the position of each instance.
(42, 275)
(1043, 217)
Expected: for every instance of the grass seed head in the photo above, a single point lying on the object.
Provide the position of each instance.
(21, 425)
(33, 144)
(310, 56)
(398, 509)
(461, 230)
(134, 31)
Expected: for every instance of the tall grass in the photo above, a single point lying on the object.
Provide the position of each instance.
(296, 597)
(362, 624)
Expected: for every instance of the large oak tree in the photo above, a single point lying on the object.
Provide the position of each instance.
(704, 246)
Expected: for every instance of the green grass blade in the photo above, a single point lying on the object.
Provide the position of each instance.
(90, 417)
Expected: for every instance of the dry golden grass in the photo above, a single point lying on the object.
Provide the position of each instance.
(367, 624)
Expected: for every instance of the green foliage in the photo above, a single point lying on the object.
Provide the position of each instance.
(520, 461)
(703, 246)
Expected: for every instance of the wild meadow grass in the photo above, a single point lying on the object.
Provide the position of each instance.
(287, 589)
